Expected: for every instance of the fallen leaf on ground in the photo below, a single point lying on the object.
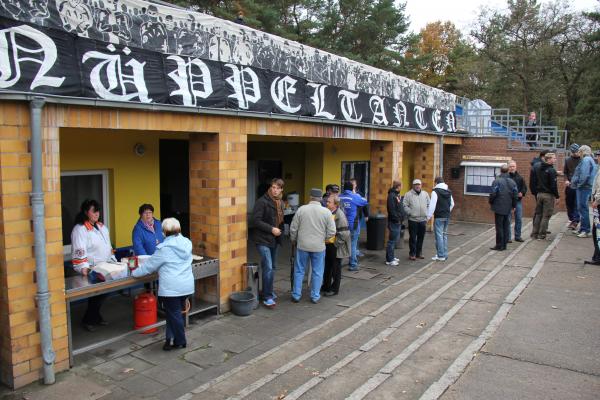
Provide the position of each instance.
(128, 370)
(554, 307)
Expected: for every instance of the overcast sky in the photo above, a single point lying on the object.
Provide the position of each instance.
(463, 12)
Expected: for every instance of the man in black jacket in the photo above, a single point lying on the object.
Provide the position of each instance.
(503, 199)
(546, 195)
(521, 191)
(396, 215)
(571, 164)
(267, 226)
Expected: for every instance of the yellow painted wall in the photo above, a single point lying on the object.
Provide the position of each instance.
(292, 161)
(408, 165)
(336, 151)
(313, 175)
(134, 180)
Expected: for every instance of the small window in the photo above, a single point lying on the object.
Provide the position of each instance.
(478, 179)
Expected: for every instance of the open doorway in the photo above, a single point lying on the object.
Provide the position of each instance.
(358, 170)
(175, 182)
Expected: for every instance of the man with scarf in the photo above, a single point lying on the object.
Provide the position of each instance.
(267, 227)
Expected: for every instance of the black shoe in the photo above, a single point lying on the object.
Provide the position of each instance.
(179, 346)
(509, 241)
(89, 327)
(167, 346)
(330, 293)
(497, 248)
(548, 232)
(585, 262)
(295, 300)
(519, 240)
(314, 301)
(102, 322)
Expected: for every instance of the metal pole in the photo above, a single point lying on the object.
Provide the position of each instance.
(39, 231)
(441, 156)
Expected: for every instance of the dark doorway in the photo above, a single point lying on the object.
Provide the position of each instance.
(175, 182)
(358, 170)
(267, 170)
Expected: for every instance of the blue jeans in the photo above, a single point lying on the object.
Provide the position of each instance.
(440, 227)
(583, 208)
(317, 260)
(268, 257)
(174, 319)
(518, 220)
(392, 239)
(354, 235)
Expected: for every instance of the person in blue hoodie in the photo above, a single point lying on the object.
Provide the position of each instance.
(173, 262)
(350, 202)
(147, 232)
(582, 181)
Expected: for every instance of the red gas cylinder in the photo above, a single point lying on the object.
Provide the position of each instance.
(144, 311)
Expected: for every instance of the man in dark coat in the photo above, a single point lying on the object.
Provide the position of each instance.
(267, 227)
(546, 195)
(521, 192)
(503, 199)
(571, 164)
(395, 217)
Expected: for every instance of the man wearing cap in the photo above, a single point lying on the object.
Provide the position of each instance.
(583, 179)
(416, 203)
(330, 189)
(311, 227)
(571, 164)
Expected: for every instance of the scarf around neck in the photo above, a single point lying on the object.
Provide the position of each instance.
(278, 207)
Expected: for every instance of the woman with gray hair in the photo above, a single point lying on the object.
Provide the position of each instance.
(173, 262)
(582, 181)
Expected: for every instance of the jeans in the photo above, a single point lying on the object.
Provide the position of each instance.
(317, 260)
(440, 227)
(502, 230)
(268, 257)
(354, 235)
(416, 232)
(583, 197)
(175, 329)
(571, 202)
(392, 239)
(333, 269)
(518, 221)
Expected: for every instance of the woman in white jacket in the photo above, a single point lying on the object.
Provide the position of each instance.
(173, 262)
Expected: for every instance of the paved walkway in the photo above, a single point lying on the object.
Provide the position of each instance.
(516, 324)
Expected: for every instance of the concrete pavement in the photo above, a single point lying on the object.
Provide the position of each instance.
(516, 324)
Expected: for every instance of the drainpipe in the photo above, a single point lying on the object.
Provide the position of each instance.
(39, 231)
(441, 155)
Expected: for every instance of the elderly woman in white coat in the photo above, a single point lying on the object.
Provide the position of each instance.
(173, 262)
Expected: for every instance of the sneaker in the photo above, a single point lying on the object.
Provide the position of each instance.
(392, 263)
(436, 258)
(269, 303)
(584, 235)
(353, 268)
(396, 259)
(573, 225)
(519, 240)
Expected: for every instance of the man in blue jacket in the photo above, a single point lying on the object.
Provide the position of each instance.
(582, 181)
(350, 202)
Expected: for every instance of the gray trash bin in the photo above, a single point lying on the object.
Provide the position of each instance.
(251, 275)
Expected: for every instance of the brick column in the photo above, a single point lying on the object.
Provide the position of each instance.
(386, 166)
(218, 175)
(20, 356)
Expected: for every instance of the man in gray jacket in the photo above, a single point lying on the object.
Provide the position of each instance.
(311, 227)
(416, 202)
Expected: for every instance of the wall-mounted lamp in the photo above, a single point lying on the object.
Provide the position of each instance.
(139, 149)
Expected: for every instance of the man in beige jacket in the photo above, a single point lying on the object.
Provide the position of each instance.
(416, 202)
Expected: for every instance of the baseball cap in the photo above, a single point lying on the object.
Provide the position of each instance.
(574, 148)
(417, 182)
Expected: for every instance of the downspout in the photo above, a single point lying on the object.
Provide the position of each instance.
(39, 232)
(441, 155)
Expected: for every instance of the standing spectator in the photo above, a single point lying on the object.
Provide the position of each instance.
(362, 214)
(240, 18)
(531, 130)
(336, 248)
(583, 179)
(532, 178)
(503, 199)
(395, 211)
(267, 226)
(521, 192)
(416, 202)
(330, 189)
(546, 195)
(571, 164)
(596, 215)
(440, 207)
(311, 227)
(351, 203)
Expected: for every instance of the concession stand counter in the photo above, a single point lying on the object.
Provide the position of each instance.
(79, 287)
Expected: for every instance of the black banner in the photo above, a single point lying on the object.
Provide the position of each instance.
(42, 60)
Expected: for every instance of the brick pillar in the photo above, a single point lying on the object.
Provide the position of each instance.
(386, 166)
(218, 174)
(20, 354)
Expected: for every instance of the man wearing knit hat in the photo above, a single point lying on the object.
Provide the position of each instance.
(311, 227)
(570, 192)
